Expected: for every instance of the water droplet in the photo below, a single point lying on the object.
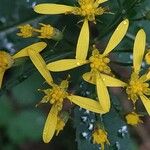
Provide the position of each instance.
(92, 120)
(3, 20)
(125, 22)
(33, 4)
(90, 126)
(80, 109)
(78, 63)
(84, 118)
(131, 57)
(85, 134)
(123, 131)
(117, 144)
(143, 64)
(87, 112)
(87, 93)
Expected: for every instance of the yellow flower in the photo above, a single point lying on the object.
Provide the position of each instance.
(100, 137)
(32, 52)
(147, 57)
(6, 60)
(46, 31)
(56, 96)
(138, 86)
(133, 119)
(87, 8)
(99, 66)
(26, 31)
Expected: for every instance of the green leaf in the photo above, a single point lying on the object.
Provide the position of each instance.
(27, 125)
(6, 110)
(83, 134)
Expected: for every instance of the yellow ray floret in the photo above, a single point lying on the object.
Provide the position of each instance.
(138, 50)
(33, 51)
(102, 93)
(83, 42)
(50, 124)
(38, 47)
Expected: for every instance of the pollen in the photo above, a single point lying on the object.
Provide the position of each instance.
(46, 31)
(137, 87)
(26, 31)
(99, 62)
(6, 61)
(133, 119)
(88, 9)
(56, 95)
(100, 137)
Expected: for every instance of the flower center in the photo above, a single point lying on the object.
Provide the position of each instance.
(88, 9)
(137, 87)
(133, 119)
(46, 31)
(25, 31)
(6, 61)
(56, 95)
(99, 62)
(100, 137)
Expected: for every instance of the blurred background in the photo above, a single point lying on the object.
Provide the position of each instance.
(21, 123)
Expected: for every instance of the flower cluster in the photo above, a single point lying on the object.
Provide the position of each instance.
(99, 74)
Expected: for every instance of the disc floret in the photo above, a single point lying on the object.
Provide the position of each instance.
(137, 86)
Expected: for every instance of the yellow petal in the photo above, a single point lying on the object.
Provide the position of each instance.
(83, 42)
(102, 93)
(50, 125)
(148, 76)
(65, 64)
(117, 36)
(101, 1)
(89, 77)
(40, 64)
(138, 50)
(112, 82)
(52, 8)
(38, 47)
(2, 71)
(86, 103)
(146, 102)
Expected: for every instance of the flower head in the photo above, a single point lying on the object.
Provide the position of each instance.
(6, 62)
(100, 137)
(88, 9)
(26, 31)
(56, 94)
(133, 119)
(137, 87)
(100, 71)
(46, 31)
